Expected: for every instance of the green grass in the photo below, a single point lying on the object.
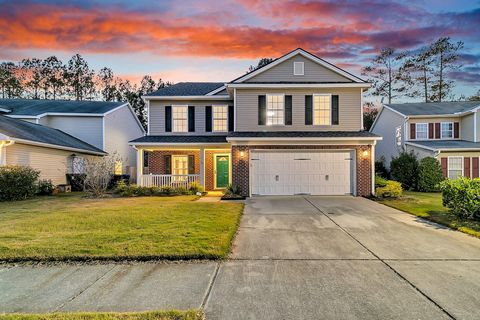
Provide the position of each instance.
(153, 315)
(429, 206)
(71, 227)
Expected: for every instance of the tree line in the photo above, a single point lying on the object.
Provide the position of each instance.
(421, 74)
(50, 78)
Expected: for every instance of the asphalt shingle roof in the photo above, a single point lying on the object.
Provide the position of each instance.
(31, 107)
(188, 89)
(304, 134)
(181, 139)
(19, 129)
(447, 144)
(434, 108)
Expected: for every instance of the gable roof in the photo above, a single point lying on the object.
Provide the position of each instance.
(434, 108)
(307, 55)
(31, 107)
(31, 133)
(188, 89)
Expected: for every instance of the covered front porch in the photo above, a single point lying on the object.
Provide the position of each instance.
(179, 165)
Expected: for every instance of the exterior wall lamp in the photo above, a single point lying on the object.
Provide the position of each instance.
(242, 154)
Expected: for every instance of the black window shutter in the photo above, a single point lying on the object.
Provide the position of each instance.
(191, 164)
(308, 110)
(335, 107)
(230, 118)
(168, 164)
(191, 119)
(208, 118)
(262, 110)
(168, 118)
(288, 110)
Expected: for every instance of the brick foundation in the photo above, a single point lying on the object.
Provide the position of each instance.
(240, 165)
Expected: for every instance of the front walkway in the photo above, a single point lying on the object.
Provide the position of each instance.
(293, 258)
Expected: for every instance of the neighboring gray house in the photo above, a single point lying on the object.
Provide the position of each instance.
(293, 126)
(108, 126)
(447, 131)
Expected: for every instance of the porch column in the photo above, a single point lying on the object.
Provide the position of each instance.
(139, 167)
(202, 166)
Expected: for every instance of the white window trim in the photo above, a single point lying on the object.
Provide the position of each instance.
(453, 130)
(266, 109)
(213, 117)
(295, 69)
(313, 109)
(448, 165)
(173, 118)
(173, 163)
(416, 130)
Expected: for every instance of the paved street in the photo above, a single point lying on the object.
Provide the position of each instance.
(293, 258)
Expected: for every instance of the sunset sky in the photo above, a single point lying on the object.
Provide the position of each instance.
(217, 40)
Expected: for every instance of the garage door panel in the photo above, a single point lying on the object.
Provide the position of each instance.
(288, 173)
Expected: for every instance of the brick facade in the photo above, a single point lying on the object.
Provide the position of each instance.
(240, 165)
(156, 160)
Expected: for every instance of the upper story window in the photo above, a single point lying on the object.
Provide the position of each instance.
(447, 130)
(421, 131)
(322, 104)
(298, 69)
(220, 118)
(275, 109)
(180, 118)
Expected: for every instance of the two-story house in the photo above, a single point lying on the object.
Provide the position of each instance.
(291, 127)
(107, 127)
(447, 131)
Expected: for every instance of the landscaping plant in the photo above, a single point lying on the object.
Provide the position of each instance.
(462, 197)
(404, 169)
(17, 182)
(387, 188)
(429, 175)
(45, 187)
(99, 173)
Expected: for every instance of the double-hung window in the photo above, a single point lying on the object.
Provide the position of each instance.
(421, 131)
(322, 106)
(220, 118)
(179, 167)
(180, 118)
(455, 167)
(275, 109)
(447, 130)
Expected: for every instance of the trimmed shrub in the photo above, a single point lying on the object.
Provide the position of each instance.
(381, 169)
(17, 182)
(195, 187)
(387, 188)
(76, 181)
(132, 190)
(429, 175)
(462, 197)
(404, 169)
(45, 187)
(117, 178)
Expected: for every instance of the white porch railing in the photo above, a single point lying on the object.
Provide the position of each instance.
(171, 180)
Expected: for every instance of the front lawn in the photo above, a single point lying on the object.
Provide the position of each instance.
(429, 206)
(153, 315)
(72, 227)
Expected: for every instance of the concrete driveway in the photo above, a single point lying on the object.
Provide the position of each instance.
(293, 258)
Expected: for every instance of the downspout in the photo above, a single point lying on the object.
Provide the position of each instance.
(405, 131)
(475, 126)
(3, 151)
(373, 166)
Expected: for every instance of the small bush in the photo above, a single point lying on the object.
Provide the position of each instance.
(76, 181)
(45, 187)
(391, 189)
(462, 197)
(404, 169)
(429, 175)
(17, 182)
(233, 190)
(195, 187)
(117, 178)
(381, 169)
(132, 190)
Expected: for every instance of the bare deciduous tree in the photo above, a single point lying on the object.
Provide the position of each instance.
(99, 173)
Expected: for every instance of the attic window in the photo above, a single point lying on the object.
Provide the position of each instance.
(298, 69)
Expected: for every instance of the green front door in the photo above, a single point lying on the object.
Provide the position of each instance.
(222, 169)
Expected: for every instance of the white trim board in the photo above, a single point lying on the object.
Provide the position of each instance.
(211, 93)
(300, 85)
(219, 97)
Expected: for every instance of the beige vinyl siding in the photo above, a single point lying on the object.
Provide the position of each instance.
(313, 72)
(350, 109)
(466, 127)
(88, 129)
(120, 128)
(419, 152)
(157, 116)
(434, 120)
(386, 126)
(53, 164)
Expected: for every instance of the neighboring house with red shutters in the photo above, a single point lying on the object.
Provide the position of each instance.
(447, 131)
(293, 126)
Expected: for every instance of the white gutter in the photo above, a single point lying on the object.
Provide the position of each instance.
(175, 143)
(303, 138)
(442, 148)
(299, 85)
(219, 97)
(54, 146)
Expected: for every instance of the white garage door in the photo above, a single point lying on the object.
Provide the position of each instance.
(301, 172)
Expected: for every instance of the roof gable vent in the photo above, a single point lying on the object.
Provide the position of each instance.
(298, 68)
